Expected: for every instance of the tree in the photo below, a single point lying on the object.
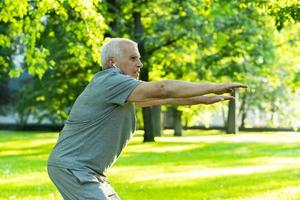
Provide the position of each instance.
(188, 40)
(58, 40)
(273, 87)
(228, 42)
(157, 27)
(225, 40)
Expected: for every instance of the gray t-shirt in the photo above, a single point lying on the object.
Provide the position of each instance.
(99, 125)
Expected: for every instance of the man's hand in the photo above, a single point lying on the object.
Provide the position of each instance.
(227, 87)
(217, 98)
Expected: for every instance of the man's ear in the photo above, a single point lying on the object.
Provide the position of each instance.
(110, 62)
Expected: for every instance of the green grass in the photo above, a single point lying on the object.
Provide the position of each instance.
(200, 165)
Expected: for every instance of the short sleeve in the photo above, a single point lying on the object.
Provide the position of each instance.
(119, 87)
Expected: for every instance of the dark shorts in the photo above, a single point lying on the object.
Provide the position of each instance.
(79, 184)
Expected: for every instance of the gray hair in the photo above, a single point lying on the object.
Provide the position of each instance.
(113, 49)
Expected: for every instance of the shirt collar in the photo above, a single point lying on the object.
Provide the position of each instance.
(115, 69)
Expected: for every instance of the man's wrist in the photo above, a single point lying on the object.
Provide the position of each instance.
(214, 87)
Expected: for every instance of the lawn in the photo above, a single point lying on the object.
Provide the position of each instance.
(200, 165)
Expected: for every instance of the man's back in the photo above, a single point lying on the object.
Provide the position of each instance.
(99, 125)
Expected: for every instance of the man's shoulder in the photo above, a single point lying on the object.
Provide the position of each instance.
(113, 76)
(107, 74)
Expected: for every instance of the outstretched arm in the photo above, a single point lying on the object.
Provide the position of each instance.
(185, 101)
(147, 91)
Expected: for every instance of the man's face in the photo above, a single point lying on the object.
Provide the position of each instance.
(130, 62)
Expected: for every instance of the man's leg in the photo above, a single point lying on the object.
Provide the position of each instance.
(108, 189)
(80, 185)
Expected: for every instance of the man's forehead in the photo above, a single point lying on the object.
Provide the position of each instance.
(131, 49)
(135, 53)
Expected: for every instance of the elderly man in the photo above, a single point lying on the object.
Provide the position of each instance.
(102, 119)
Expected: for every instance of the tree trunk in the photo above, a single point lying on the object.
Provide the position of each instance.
(244, 116)
(156, 120)
(23, 117)
(186, 123)
(115, 8)
(243, 110)
(232, 125)
(148, 118)
(177, 122)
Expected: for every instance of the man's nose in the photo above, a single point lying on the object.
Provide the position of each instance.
(140, 64)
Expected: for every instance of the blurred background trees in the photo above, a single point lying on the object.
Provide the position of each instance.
(53, 47)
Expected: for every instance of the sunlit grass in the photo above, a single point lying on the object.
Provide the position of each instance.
(200, 165)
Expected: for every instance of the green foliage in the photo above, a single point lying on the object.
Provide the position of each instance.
(285, 13)
(60, 41)
(273, 90)
(73, 24)
(221, 41)
(188, 40)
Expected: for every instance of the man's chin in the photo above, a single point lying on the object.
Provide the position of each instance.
(136, 75)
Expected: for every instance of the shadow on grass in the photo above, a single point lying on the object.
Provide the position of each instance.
(225, 154)
(28, 151)
(211, 154)
(19, 135)
(26, 190)
(225, 187)
(26, 160)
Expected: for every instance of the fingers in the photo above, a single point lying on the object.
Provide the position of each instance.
(235, 86)
(224, 98)
(219, 98)
(239, 85)
(230, 90)
(228, 87)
